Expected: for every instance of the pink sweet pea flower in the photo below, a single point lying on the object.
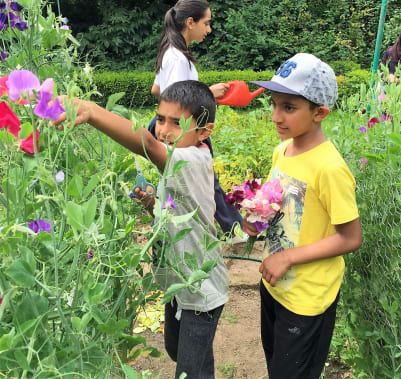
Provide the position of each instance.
(382, 96)
(27, 144)
(8, 119)
(20, 83)
(3, 87)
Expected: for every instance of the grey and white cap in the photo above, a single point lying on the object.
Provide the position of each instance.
(305, 75)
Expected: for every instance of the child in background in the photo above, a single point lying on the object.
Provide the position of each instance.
(191, 318)
(188, 21)
(303, 265)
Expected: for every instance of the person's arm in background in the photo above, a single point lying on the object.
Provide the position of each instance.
(155, 91)
(219, 89)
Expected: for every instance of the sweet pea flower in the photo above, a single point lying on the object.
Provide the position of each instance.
(372, 121)
(21, 83)
(169, 203)
(3, 87)
(363, 129)
(3, 56)
(8, 119)
(65, 27)
(60, 176)
(364, 161)
(16, 6)
(1, 299)
(44, 110)
(3, 5)
(27, 143)
(382, 96)
(90, 254)
(39, 225)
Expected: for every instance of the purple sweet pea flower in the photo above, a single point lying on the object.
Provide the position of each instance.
(261, 226)
(90, 254)
(21, 82)
(21, 26)
(364, 161)
(60, 176)
(3, 56)
(3, 5)
(3, 21)
(169, 203)
(132, 195)
(16, 7)
(40, 225)
(363, 129)
(43, 110)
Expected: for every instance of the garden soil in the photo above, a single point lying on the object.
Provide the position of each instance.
(237, 346)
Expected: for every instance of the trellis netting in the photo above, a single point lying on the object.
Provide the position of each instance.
(368, 135)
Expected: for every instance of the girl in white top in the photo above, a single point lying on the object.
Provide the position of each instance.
(187, 21)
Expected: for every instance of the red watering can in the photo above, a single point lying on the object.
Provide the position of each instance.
(238, 95)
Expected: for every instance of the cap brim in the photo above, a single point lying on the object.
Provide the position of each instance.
(273, 86)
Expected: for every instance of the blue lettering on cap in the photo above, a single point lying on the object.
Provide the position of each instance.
(285, 69)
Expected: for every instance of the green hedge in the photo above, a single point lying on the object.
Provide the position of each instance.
(137, 85)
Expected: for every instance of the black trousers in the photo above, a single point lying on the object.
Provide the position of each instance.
(296, 346)
(226, 214)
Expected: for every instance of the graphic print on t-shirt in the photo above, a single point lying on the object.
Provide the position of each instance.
(283, 232)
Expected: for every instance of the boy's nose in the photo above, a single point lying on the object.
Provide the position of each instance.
(276, 116)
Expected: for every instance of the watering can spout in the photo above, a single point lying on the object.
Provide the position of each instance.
(238, 95)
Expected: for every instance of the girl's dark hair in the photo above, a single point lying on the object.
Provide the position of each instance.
(396, 50)
(174, 24)
(193, 96)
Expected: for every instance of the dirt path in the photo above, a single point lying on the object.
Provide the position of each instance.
(237, 346)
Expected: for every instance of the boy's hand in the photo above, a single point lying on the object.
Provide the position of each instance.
(249, 228)
(82, 107)
(274, 267)
(148, 201)
(220, 89)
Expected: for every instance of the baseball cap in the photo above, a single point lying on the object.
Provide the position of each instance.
(305, 75)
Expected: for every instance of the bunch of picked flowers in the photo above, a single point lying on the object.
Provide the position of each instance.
(261, 203)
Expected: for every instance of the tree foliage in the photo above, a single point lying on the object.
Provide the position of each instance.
(251, 34)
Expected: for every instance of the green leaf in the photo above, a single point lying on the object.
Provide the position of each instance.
(112, 327)
(133, 340)
(113, 99)
(172, 291)
(207, 266)
(89, 211)
(28, 257)
(129, 372)
(92, 184)
(396, 138)
(197, 276)
(213, 245)
(75, 187)
(181, 235)
(184, 218)
(26, 130)
(21, 273)
(75, 216)
(21, 359)
(177, 167)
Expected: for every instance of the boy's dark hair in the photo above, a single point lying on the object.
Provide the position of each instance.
(174, 24)
(193, 96)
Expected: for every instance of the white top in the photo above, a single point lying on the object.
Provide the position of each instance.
(175, 68)
(191, 187)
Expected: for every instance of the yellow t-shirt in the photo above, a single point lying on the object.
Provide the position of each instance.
(319, 193)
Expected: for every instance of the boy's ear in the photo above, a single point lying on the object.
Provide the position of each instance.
(206, 131)
(321, 113)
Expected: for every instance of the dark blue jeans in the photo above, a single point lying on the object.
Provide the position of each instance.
(189, 342)
(226, 214)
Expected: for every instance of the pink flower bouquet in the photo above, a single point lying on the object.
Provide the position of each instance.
(261, 203)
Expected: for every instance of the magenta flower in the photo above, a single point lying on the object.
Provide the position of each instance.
(90, 254)
(1, 299)
(261, 226)
(372, 121)
(363, 129)
(40, 225)
(169, 203)
(44, 110)
(60, 176)
(364, 161)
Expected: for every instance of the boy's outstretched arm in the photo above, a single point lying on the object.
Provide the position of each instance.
(119, 129)
(348, 238)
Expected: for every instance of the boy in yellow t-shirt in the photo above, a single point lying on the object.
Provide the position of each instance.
(303, 266)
